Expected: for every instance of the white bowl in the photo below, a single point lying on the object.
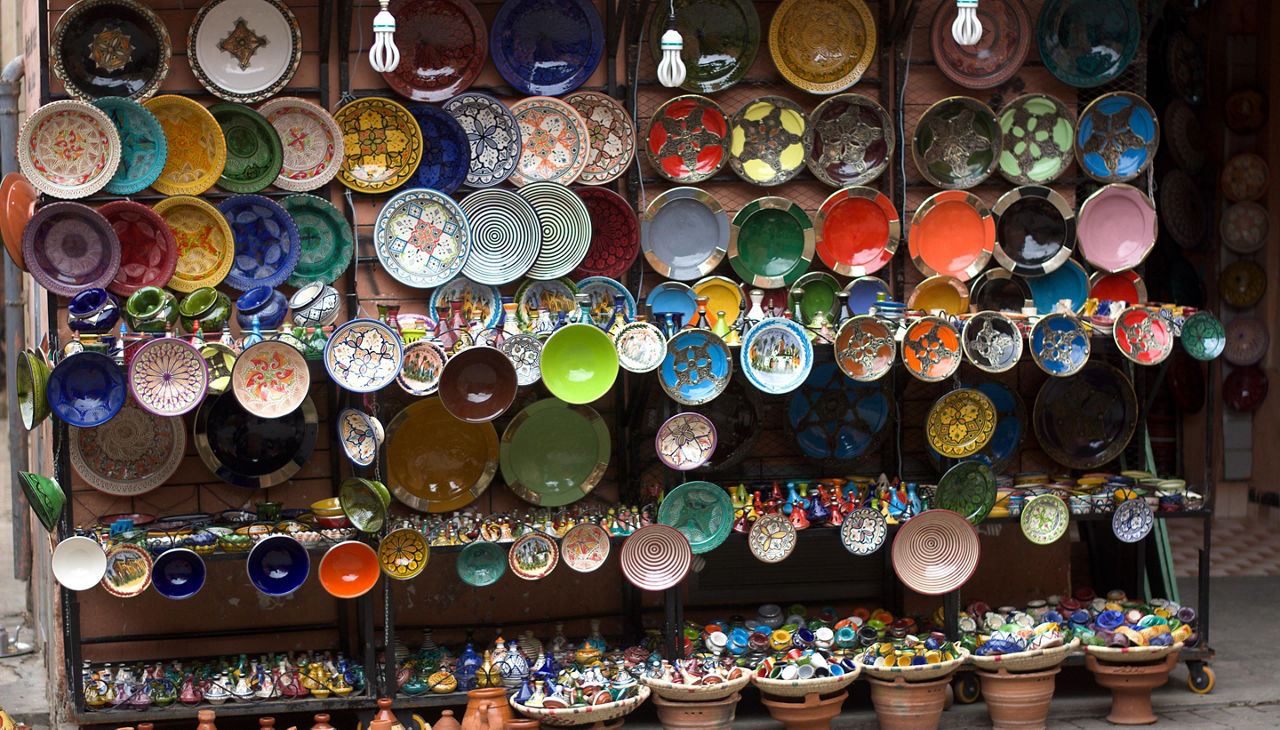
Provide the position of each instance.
(79, 563)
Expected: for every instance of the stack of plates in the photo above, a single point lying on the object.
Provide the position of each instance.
(505, 236)
(566, 228)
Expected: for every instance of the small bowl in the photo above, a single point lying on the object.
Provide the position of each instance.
(178, 573)
(79, 563)
(87, 389)
(332, 504)
(269, 305)
(349, 569)
(45, 497)
(333, 523)
(33, 381)
(579, 363)
(361, 435)
(278, 565)
(315, 305)
(479, 384)
(365, 503)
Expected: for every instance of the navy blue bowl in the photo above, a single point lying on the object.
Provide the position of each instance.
(87, 389)
(178, 573)
(278, 565)
(270, 305)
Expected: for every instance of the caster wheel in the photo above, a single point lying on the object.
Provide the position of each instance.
(966, 687)
(1200, 679)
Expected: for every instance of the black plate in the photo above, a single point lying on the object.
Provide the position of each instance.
(88, 50)
(1035, 230)
(248, 451)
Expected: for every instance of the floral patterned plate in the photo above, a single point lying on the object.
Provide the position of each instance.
(777, 355)
(865, 348)
(131, 454)
(206, 246)
(1045, 519)
(244, 50)
(585, 547)
(769, 140)
(1203, 336)
(443, 45)
(1132, 520)
(403, 553)
(363, 355)
(421, 238)
(822, 46)
(313, 145)
(1245, 227)
(687, 139)
(168, 376)
(382, 144)
(326, 240)
(266, 238)
(493, 134)
(1037, 133)
(931, 349)
(1116, 137)
(525, 352)
(853, 140)
(555, 141)
(957, 143)
(960, 423)
(143, 147)
(685, 441)
(110, 48)
(863, 531)
(69, 149)
(197, 149)
(612, 135)
(360, 435)
(270, 379)
(772, 538)
(701, 511)
(1245, 177)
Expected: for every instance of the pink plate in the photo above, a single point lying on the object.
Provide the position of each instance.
(271, 379)
(585, 547)
(168, 376)
(935, 552)
(686, 441)
(1117, 227)
(656, 557)
(533, 556)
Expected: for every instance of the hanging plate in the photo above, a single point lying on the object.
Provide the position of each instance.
(822, 46)
(864, 292)
(931, 349)
(267, 242)
(168, 376)
(853, 140)
(533, 556)
(1086, 43)
(936, 552)
(546, 47)
(1037, 133)
(772, 538)
(1117, 227)
(443, 44)
(776, 355)
(769, 140)
(857, 231)
(697, 367)
(865, 348)
(206, 246)
(957, 143)
(403, 553)
(110, 48)
(1245, 388)
(270, 379)
(481, 563)
(554, 295)
(1116, 137)
(684, 233)
(363, 355)
(687, 139)
(68, 149)
(1245, 177)
(603, 291)
(615, 234)
(815, 293)
(941, 293)
(1132, 520)
(1203, 336)
(771, 242)
(968, 489)
(723, 295)
(655, 558)
(998, 290)
(254, 153)
(505, 236)
(721, 38)
(1011, 424)
(143, 147)
(1085, 420)
(1060, 345)
(422, 238)
(148, 249)
(612, 136)
(326, 240)
(959, 424)
(1069, 283)
(424, 361)
(197, 149)
(863, 531)
(446, 152)
(685, 441)
(244, 50)
(128, 571)
(69, 247)
(131, 454)
(281, 445)
(1035, 230)
(17, 206)
(992, 342)
(701, 511)
(1245, 227)
(472, 295)
(999, 52)
(585, 547)
(1247, 340)
(87, 389)
(1242, 283)
(555, 141)
(312, 142)
(566, 228)
(382, 143)
(421, 480)
(674, 298)
(492, 133)
(641, 347)
(833, 418)
(553, 453)
(952, 233)
(1045, 519)
(1143, 336)
(525, 353)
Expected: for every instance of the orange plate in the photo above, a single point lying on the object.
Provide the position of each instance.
(349, 569)
(857, 230)
(17, 205)
(952, 233)
(931, 349)
(436, 463)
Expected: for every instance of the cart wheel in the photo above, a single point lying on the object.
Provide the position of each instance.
(1199, 678)
(967, 688)
(951, 698)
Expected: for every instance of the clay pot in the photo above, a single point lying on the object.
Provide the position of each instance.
(711, 714)
(1018, 700)
(813, 713)
(479, 702)
(322, 722)
(1131, 686)
(525, 724)
(447, 722)
(903, 705)
(385, 714)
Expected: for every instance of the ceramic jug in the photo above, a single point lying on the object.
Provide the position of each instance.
(478, 703)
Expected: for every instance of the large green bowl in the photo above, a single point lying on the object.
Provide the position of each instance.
(45, 496)
(33, 380)
(579, 363)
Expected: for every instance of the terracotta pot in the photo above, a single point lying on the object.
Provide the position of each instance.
(813, 713)
(447, 722)
(710, 714)
(1131, 686)
(903, 705)
(525, 724)
(476, 716)
(1018, 700)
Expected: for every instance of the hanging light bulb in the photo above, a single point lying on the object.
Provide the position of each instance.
(384, 56)
(671, 68)
(967, 29)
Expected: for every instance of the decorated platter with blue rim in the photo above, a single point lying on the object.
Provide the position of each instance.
(777, 355)
(363, 355)
(1060, 345)
(602, 291)
(1116, 137)
(1132, 520)
(422, 238)
(493, 134)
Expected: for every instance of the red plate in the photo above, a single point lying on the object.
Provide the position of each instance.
(442, 45)
(1245, 388)
(857, 231)
(686, 139)
(148, 248)
(615, 234)
(998, 54)
(17, 205)
(1124, 286)
(952, 233)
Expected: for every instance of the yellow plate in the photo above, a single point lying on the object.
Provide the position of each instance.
(403, 553)
(940, 292)
(723, 295)
(822, 46)
(206, 246)
(382, 145)
(960, 423)
(197, 149)
(436, 463)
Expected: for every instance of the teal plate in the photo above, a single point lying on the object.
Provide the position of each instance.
(968, 489)
(143, 146)
(1203, 336)
(254, 153)
(481, 563)
(326, 238)
(701, 511)
(1086, 43)
(721, 38)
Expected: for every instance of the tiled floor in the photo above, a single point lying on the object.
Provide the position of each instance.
(1247, 546)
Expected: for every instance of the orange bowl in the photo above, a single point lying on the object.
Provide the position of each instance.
(349, 569)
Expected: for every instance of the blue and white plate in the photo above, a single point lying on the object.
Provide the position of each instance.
(863, 531)
(1132, 520)
(143, 146)
(834, 417)
(267, 241)
(364, 355)
(776, 355)
(472, 295)
(697, 367)
(493, 134)
(546, 47)
(602, 291)
(446, 153)
(1060, 345)
(422, 238)
(1117, 137)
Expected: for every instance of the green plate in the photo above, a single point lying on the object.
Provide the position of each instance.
(1203, 336)
(701, 511)
(482, 563)
(45, 497)
(1045, 519)
(554, 453)
(721, 38)
(818, 295)
(957, 143)
(254, 153)
(579, 363)
(969, 489)
(326, 237)
(771, 243)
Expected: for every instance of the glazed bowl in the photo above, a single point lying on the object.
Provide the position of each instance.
(178, 573)
(93, 311)
(579, 363)
(45, 497)
(267, 304)
(315, 305)
(278, 565)
(206, 305)
(87, 389)
(349, 569)
(479, 383)
(151, 309)
(330, 507)
(361, 435)
(78, 563)
(33, 381)
(365, 503)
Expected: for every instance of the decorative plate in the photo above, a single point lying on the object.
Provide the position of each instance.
(864, 292)
(721, 38)
(443, 45)
(555, 296)
(942, 293)
(422, 238)
(363, 355)
(131, 454)
(1143, 335)
(822, 47)
(833, 418)
(481, 563)
(244, 60)
(418, 477)
(128, 571)
(968, 489)
(1245, 227)
(1060, 344)
(446, 151)
(1037, 133)
(270, 379)
(853, 140)
(641, 347)
(936, 552)
(110, 48)
(1242, 283)
(777, 355)
(168, 376)
(687, 138)
(554, 453)
(1186, 213)
(546, 47)
(78, 563)
(1184, 62)
(87, 389)
(999, 52)
(1117, 137)
(814, 293)
(615, 233)
(1184, 136)
(69, 149)
(685, 441)
(697, 367)
(326, 240)
(1245, 388)
(603, 292)
(952, 233)
(960, 423)
(254, 152)
(1085, 420)
(423, 362)
(403, 554)
(957, 143)
(17, 206)
(863, 531)
(1203, 336)
(143, 147)
(205, 243)
(684, 233)
(218, 359)
(674, 298)
(1045, 519)
(769, 140)
(313, 144)
(360, 436)
(69, 247)
(1035, 230)
(1244, 177)
(612, 136)
(555, 140)
(1086, 43)
(505, 236)
(1246, 340)
(931, 349)
(197, 150)
(865, 348)
(655, 557)
(473, 296)
(723, 296)
(701, 511)
(771, 242)
(533, 556)
(525, 353)
(857, 231)
(998, 290)
(493, 134)
(1011, 424)
(566, 228)
(1132, 520)
(1069, 283)
(772, 538)
(992, 342)
(585, 547)
(281, 445)
(382, 143)
(267, 242)
(1117, 227)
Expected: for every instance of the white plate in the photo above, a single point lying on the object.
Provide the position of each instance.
(566, 228)
(79, 563)
(505, 236)
(244, 50)
(422, 238)
(311, 140)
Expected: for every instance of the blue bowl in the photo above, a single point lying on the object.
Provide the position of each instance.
(87, 389)
(178, 573)
(269, 304)
(278, 565)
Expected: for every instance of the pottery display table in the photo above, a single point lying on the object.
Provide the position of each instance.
(1131, 685)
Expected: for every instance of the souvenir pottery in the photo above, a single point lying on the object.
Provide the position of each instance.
(533, 556)
(45, 496)
(1085, 420)
(1116, 137)
(943, 295)
(1143, 335)
(864, 293)
(546, 49)
(553, 453)
(935, 552)
(579, 363)
(403, 554)
(525, 353)
(556, 297)
(995, 57)
(131, 454)
(382, 144)
(361, 436)
(833, 418)
(281, 445)
(69, 247)
(178, 573)
(87, 389)
(254, 151)
(492, 133)
(478, 384)
(769, 139)
(443, 47)
(604, 295)
(204, 241)
(721, 38)
(687, 139)
(863, 531)
(116, 48)
(93, 311)
(585, 547)
(776, 355)
(615, 233)
(480, 303)
(481, 564)
(992, 342)
(1245, 227)
(1122, 286)
(506, 236)
(566, 228)
(168, 376)
(205, 306)
(1247, 340)
(244, 60)
(612, 136)
(446, 154)
(128, 571)
(952, 233)
(724, 299)
(772, 538)
(17, 206)
(853, 140)
(68, 172)
(1245, 388)
(957, 143)
(1037, 133)
(556, 141)
(326, 240)
(143, 147)
(684, 233)
(865, 348)
(771, 242)
(434, 485)
(960, 423)
(1045, 519)
(364, 502)
(998, 290)
(655, 557)
(266, 240)
(1069, 285)
(1085, 44)
(278, 565)
(686, 441)
(264, 303)
(363, 355)
(701, 511)
(349, 569)
(1242, 283)
(1244, 177)
(968, 489)
(697, 367)
(1035, 230)
(1187, 215)
(424, 362)
(674, 299)
(813, 299)
(857, 231)
(270, 379)
(32, 380)
(313, 145)
(78, 563)
(1060, 344)
(197, 149)
(931, 349)
(1203, 336)
(315, 305)
(825, 47)
(641, 347)
(1132, 520)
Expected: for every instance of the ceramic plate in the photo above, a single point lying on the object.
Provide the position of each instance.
(555, 296)
(422, 238)
(999, 52)
(86, 389)
(363, 355)
(853, 140)
(128, 571)
(1117, 227)
(1242, 283)
(1132, 520)
(1245, 177)
(675, 299)
(612, 136)
(525, 353)
(244, 50)
(69, 247)
(864, 348)
(429, 484)
(68, 149)
(168, 376)
(957, 143)
(547, 47)
(554, 453)
(697, 367)
(403, 554)
(1060, 344)
(641, 347)
(1247, 340)
(771, 242)
(772, 538)
(446, 153)
(1011, 424)
(1245, 227)
(443, 44)
(492, 133)
(952, 233)
(863, 531)
(475, 298)
(1086, 43)
(1116, 137)
(833, 418)
(313, 145)
(968, 489)
(603, 293)
(254, 152)
(940, 294)
(326, 240)
(863, 293)
(615, 233)
(197, 149)
(992, 342)
(143, 147)
(723, 297)
(17, 206)
(481, 564)
(1037, 133)
(812, 295)
(382, 143)
(822, 47)
(206, 246)
(1045, 519)
(585, 547)
(78, 563)
(131, 454)
(280, 445)
(701, 511)
(1035, 230)
(1245, 388)
(110, 48)
(769, 140)
(555, 139)
(270, 379)
(721, 38)
(936, 552)
(1184, 136)
(857, 231)
(1143, 336)
(1069, 283)
(1187, 214)
(998, 290)
(505, 236)
(360, 435)
(931, 349)
(566, 228)
(687, 139)
(960, 423)
(684, 233)
(685, 441)
(1185, 64)
(1203, 336)
(655, 557)
(1085, 420)
(776, 355)
(266, 239)
(423, 363)
(533, 556)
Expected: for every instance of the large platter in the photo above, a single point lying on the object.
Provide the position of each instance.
(68, 149)
(382, 143)
(952, 233)
(777, 355)
(771, 242)
(143, 147)
(254, 153)
(266, 238)
(697, 367)
(493, 134)
(554, 138)
(313, 145)
(1116, 137)
(684, 233)
(197, 149)
(206, 246)
(957, 143)
(168, 376)
(1085, 420)
(69, 247)
(244, 50)
(1035, 230)
(999, 53)
(721, 38)
(553, 453)
(615, 233)
(566, 228)
(249, 451)
(270, 379)
(853, 140)
(363, 355)
(687, 139)
(443, 45)
(936, 552)
(1037, 139)
(1117, 227)
(89, 44)
(1086, 43)
(833, 418)
(769, 140)
(131, 454)
(612, 136)
(326, 238)
(1011, 426)
(505, 236)
(422, 238)
(422, 480)
(546, 47)
(857, 231)
(822, 46)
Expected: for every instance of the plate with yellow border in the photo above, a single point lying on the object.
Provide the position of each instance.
(822, 46)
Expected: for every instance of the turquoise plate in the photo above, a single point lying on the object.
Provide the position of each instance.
(1086, 43)
(1066, 282)
(697, 367)
(143, 146)
(701, 511)
(482, 563)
